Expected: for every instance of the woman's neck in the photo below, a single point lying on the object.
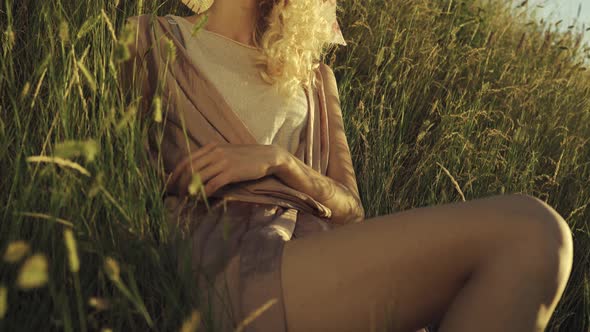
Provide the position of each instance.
(235, 19)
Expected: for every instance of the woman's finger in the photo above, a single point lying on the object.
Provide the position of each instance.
(203, 150)
(200, 152)
(183, 182)
(217, 182)
(193, 167)
(206, 167)
(182, 167)
(212, 170)
(198, 162)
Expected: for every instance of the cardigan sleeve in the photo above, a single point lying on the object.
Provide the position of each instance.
(136, 79)
(135, 74)
(164, 141)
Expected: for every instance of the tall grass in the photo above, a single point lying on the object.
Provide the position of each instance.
(442, 100)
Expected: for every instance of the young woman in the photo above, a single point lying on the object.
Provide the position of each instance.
(254, 113)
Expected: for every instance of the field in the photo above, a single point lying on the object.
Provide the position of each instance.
(442, 101)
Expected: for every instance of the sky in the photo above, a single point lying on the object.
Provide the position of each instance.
(567, 10)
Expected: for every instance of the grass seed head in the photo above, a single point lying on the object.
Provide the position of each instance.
(33, 273)
(3, 301)
(16, 251)
(72, 252)
(112, 269)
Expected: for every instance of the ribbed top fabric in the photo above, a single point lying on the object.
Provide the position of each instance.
(230, 66)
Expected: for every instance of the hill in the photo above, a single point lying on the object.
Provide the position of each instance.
(442, 100)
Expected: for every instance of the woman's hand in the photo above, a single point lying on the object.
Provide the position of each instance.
(219, 164)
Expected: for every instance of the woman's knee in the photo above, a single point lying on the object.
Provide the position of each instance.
(547, 238)
(545, 222)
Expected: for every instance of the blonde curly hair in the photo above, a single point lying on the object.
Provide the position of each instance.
(292, 35)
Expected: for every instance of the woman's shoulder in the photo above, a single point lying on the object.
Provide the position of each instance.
(141, 25)
(326, 70)
(328, 78)
(143, 18)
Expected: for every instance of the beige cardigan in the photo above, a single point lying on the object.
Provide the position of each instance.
(190, 99)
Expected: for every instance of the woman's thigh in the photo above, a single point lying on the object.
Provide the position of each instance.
(405, 267)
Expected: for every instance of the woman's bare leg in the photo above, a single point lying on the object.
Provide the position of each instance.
(495, 264)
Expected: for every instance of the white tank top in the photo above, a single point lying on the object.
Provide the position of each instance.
(230, 66)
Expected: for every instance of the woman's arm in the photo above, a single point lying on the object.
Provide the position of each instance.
(338, 188)
(346, 206)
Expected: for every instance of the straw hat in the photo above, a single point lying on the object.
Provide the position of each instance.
(198, 6)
